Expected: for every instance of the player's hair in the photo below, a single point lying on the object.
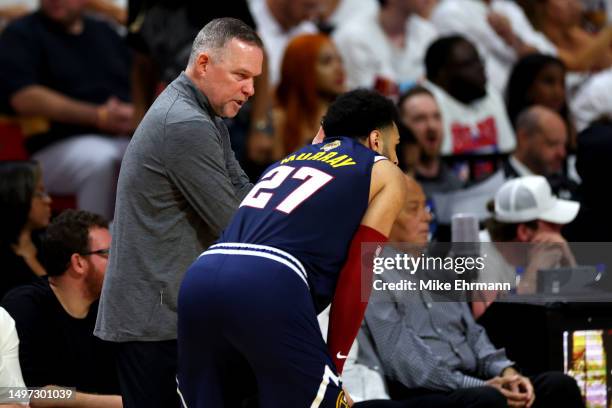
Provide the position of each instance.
(218, 32)
(439, 53)
(357, 113)
(68, 234)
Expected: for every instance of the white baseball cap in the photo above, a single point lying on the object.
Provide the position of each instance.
(529, 198)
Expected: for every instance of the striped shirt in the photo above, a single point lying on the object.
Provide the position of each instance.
(423, 343)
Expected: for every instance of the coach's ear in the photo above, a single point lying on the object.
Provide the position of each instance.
(375, 141)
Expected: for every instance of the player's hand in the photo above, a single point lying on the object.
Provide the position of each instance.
(348, 398)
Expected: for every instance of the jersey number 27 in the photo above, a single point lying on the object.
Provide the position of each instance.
(259, 196)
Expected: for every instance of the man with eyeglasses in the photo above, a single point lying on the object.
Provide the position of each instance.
(55, 317)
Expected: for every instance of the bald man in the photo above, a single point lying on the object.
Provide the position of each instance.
(541, 135)
(412, 223)
(424, 346)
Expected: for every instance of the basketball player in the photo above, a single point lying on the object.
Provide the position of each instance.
(293, 246)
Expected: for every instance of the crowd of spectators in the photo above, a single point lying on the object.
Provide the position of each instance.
(487, 91)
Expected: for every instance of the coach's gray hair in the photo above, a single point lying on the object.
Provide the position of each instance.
(218, 32)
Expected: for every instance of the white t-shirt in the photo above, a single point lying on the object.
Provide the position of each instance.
(368, 53)
(10, 371)
(347, 10)
(275, 39)
(480, 127)
(593, 100)
(469, 18)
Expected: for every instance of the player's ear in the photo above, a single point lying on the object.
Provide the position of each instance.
(375, 140)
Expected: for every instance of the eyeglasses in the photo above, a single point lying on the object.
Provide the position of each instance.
(102, 252)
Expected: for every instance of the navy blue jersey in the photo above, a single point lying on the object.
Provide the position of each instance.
(309, 204)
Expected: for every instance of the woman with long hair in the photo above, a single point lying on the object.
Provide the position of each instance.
(538, 79)
(25, 208)
(312, 76)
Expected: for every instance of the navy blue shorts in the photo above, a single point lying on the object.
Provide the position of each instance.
(248, 307)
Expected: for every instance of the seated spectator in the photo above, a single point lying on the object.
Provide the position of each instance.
(73, 71)
(408, 151)
(55, 318)
(425, 347)
(10, 372)
(312, 76)
(560, 21)
(25, 209)
(386, 48)
(580, 51)
(473, 114)
(593, 102)
(538, 79)
(526, 211)
(278, 21)
(108, 9)
(499, 29)
(334, 13)
(594, 220)
(419, 112)
(541, 136)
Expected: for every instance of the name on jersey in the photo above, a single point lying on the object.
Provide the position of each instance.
(330, 158)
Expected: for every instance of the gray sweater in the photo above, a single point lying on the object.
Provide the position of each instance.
(179, 186)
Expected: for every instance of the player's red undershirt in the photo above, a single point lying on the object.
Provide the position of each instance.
(348, 306)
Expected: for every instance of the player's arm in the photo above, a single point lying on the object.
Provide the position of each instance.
(387, 197)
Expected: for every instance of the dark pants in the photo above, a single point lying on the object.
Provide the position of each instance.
(147, 374)
(552, 389)
(429, 401)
